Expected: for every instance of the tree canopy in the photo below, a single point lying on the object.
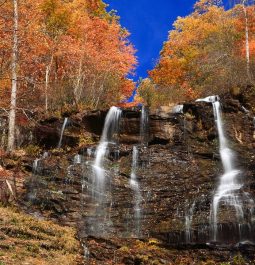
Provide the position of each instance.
(205, 53)
(70, 52)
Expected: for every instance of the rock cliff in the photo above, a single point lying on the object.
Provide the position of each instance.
(178, 173)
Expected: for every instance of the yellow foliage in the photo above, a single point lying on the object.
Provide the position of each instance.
(25, 240)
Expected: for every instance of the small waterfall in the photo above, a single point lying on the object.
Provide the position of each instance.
(135, 186)
(77, 159)
(188, 222)
(177, 109)
(89, 152)
(210, 99)
(86, 252)
(35, 165)
(144, 126)
(45, 155)
(245, 110)
(111, 128)
(62, 132)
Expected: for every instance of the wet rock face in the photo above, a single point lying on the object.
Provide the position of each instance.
(162, 129)
(179, 170)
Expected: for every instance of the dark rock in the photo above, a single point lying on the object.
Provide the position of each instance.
(180, 166)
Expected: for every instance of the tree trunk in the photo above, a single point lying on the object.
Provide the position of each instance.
(77, 88)
(47, 77)
(247, 46)
(12, 113)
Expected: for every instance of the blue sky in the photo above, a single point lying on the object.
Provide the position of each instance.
(149, 21)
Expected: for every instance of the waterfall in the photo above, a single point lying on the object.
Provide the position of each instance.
(135, 186)
(229, 191)
(62, 132)
(188, 222)
(77, 159)
(245, 110)
(144, 126)
(89, 152)
(177, 109)
(35, 165)
(229, 185)
(210, 99)
(111, 127)
(45, 155)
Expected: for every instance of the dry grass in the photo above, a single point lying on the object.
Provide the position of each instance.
(25, 240)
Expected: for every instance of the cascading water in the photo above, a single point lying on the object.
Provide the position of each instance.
(111, 128)
(228, 192)
(45, 155)
(77, 159)
(62, 132)
(135, 186)
(144, 128)
(89, 152)
(37, 161)
(99, 181)
(35, 165)
(177, 109)
(188, 222)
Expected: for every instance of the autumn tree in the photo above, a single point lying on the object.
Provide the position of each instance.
(70, 53)
(147, 93)
(202, 54)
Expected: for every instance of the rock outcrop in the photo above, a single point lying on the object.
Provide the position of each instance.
(177, 173)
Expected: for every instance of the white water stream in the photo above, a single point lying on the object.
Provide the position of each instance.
(188, 222)
(110, 130)
(228, 192)
(144, 122)
(62, 132)
(135, 187)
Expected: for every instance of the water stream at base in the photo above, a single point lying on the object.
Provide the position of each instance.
(62, 132)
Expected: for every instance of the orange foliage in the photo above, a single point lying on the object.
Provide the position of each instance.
(127, 88)
(251, 28)
(83, 48)
(204, 50)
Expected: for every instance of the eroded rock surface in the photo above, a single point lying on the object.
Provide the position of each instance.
(177, 171)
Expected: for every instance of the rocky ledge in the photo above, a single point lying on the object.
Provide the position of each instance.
(177, 171)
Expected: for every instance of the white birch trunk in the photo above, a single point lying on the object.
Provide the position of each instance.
(47, 77)
(12, 113)
(247, 46)
(77, 88)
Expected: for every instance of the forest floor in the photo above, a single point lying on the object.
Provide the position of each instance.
(27, 240)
